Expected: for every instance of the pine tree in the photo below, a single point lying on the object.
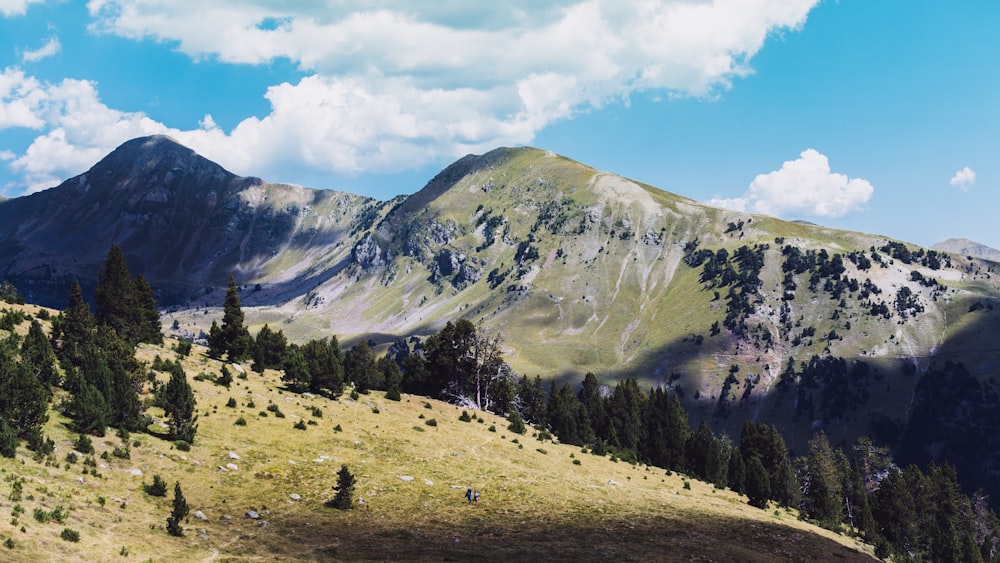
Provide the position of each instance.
(74, 328)
(359, 367)
(37, 353)
(8, 440)
(392, 377)
(822, 483)
(269, 349)
(114, 296)
(179, 405)
(23, 398)
(667, 430)
(758, 484)
(296, 370)
(326, 365)
(344, 497)
(237, 337)
(89, 410)
(148, 328)
(179, 512)
(737, 472)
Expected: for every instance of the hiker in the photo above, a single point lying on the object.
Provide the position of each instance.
(477, 497)
(468, 495)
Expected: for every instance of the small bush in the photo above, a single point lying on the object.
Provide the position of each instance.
(375, 410)
(337, 428)
(42, 516)
(427, 405)
(71, 457)
(541, 450)
(83, 444)
(70, 534)
(492, 428)
(240, 421)
(431, 422)
(231, 403)
(354, 394)
(465, 417)
(576, 462)
(418, 428)
(251, 404)
(300, 425)
(9, 542)
(182, 445)
(183, 348)
(317, 412)
(687, 485)
(158, 488)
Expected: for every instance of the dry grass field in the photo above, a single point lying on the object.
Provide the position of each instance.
(539, 499)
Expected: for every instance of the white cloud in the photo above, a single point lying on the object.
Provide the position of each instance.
(963, 179)
(397, 85)
(51, 47)
(804, 186)
(10, 8)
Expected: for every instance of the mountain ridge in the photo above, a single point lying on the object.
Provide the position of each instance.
(745, 317)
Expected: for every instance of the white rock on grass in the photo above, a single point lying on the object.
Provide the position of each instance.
(232, 466)
(232, 455)
(295, 496)
(406, 478)
(135, 472)
(200, 515)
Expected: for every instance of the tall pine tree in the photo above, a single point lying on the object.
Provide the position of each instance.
(232, 338)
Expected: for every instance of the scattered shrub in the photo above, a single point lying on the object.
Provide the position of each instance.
(300, 425)
(158, 488)
(70, 534)
(431, 422)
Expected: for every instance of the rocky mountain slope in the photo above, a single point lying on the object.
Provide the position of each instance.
(744, 316)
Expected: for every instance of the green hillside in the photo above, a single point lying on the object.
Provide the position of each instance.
(538, 497)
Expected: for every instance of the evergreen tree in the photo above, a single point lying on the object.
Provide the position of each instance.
(90, 410)
(114, 296)
(531, 395)
(822, 483)
(10, 294)
(326, 366)
(296, 374)
(758, 484)
(38, 355)
(624, 408)
(179, 405)
(23, 398)
(269, 349)
(179, 512)
(736, 475)
(73, 328)
(344, 497)
(392, 377)
(516, 424)
(667, 430)
(416, 377)
(8, 439)
(704, 455)
(359, 367)
(593, 403)
(147, 315)
(232, 338)
(561, 414)
(122, 379)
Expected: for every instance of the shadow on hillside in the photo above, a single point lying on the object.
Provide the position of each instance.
(510, 537)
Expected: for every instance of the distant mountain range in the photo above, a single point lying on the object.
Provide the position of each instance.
(744, 316)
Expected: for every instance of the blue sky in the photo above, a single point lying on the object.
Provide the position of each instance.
(879, 116)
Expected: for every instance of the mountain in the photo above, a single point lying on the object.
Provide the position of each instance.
(182, 221)
(969, 248)
(743, 316)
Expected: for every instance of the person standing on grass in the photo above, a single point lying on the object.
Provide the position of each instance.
(476, 497)
(468, 495)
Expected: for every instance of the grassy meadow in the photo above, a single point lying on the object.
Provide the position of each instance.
(413, 461)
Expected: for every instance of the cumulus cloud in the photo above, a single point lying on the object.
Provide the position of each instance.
(804, 186)
(396, 85)
(51, 47)
(963, 179)
(10, 8)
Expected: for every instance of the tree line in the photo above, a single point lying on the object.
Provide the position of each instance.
(906, 513)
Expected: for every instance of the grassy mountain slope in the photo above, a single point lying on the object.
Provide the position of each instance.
(586, 271)
(539, 498)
